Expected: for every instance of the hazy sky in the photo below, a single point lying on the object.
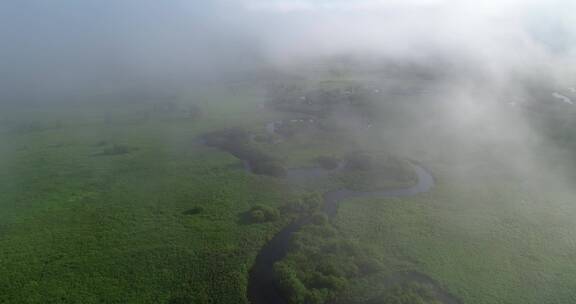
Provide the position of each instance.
(90, 46)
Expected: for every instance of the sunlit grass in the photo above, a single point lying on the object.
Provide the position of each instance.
(486, 243)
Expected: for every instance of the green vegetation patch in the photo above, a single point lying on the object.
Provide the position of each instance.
(375, 171)
(320, 263)
(156, 225)
(238, 143)
(505, 244)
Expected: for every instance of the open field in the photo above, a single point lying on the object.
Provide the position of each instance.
(82, 224)
(485, 240)
(288, 152)
(121, 202)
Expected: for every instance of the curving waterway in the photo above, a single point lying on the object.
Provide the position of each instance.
(262, 288)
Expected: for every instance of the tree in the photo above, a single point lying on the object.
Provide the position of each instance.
(261, 214)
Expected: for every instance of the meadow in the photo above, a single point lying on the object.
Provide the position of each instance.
(83, 221)
(484, 239)
(123, 202)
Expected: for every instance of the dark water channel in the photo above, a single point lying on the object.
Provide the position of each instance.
(262, 288)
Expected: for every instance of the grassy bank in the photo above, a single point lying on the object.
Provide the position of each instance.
(485, 241)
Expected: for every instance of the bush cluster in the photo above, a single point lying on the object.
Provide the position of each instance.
(320, 263)
(261, 214)
(237, 142)
(371, 171)
(305, 206)
(193, 211)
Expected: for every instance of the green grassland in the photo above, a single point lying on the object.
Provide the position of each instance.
(119, 202)
(81, 225)
(485, 240)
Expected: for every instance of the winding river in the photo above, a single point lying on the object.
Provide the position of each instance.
(261, 285)
(262, 288)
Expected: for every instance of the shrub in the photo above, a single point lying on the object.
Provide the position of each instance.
(193, 211)
(312, 201)
(320, 281)
(315, 296)
(237, 143)
(290, 286)
(319, 219)
(322, 258)
(377, 171)
(257, 216)
(306, 205)
(260, 214)
(368, 266)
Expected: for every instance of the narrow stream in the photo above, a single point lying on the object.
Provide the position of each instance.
(261, 285)
(262, 288)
